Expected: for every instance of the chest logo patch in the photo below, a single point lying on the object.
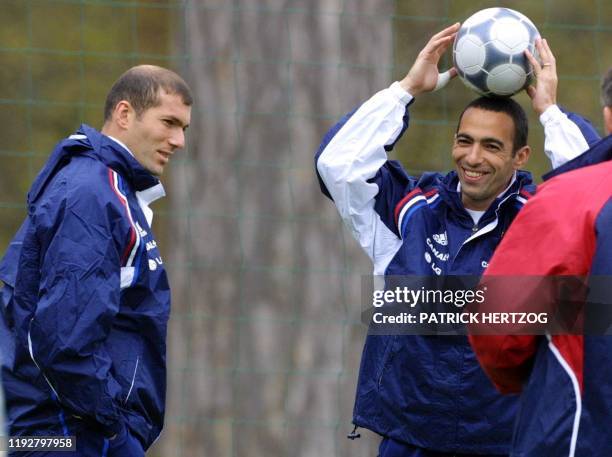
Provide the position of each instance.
(441, 239)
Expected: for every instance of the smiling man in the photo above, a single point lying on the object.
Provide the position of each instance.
(490, 145)
(86, 299)
(426, 395)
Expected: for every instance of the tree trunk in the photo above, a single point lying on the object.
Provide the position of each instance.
(265, 338)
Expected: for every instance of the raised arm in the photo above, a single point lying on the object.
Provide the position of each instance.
(566, 135)
(352, 163)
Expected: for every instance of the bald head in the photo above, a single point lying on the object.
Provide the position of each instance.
(141, 86)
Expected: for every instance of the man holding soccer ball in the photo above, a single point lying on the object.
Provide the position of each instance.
(426, 395)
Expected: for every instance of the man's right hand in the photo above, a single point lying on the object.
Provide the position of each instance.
(423, 76)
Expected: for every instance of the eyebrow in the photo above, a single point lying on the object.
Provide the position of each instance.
(482, 140)
(175, 120)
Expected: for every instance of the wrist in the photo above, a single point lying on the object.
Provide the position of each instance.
(400, 93)
(552, 114)
(409, 86)
(543, 107)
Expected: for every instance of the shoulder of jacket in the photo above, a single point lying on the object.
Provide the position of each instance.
(88, 181)
(432, 180)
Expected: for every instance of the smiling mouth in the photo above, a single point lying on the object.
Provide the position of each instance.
(472, 175)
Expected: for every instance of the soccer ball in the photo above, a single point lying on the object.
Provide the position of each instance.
(488, 52)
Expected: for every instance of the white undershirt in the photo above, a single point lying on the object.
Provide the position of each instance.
(147, 196)
(476, 215)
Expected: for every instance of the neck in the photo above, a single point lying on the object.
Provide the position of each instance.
(108, 130)
(476, 205)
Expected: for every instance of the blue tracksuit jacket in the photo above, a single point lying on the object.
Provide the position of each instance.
(428, 391)
(86, 298)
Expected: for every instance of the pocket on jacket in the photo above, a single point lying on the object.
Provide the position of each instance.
(131, 379)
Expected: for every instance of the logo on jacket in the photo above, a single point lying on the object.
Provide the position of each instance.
(436, 256)
(436, 269)
(440, 238)
(153, 263)
(443, 256)
(141, 231)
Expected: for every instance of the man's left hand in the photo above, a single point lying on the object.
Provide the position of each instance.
(544, 93)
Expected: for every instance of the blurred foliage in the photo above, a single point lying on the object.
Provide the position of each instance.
(59, 59)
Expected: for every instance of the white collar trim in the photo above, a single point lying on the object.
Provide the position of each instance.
(151, 194)
(120, 143)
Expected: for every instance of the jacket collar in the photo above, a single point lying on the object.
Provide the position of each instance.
(88, 141)
(450, 191)
(117, 157)
(599, 152)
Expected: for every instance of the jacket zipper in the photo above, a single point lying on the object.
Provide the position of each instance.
(475, 228)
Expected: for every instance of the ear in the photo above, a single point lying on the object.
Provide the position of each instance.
(123, 114)
(521, 157)
(607, 114)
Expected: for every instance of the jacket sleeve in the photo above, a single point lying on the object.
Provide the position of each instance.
(566, 135)
(354, 171)
(77, 299)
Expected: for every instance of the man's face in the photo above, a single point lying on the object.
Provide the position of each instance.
(482, 152)
(158, 132)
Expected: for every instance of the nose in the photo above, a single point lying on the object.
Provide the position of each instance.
(474, 156)
(177, 140)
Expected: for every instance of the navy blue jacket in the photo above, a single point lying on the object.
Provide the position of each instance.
(428, 391)
(86, 298)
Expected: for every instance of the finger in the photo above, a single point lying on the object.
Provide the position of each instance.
(540, 49)
(534, 62)
(549, 53)
(531, 91)
(443, 79)
(447, 31)
(453, 72)
(546, 57)
(546, 60)
(440, 45)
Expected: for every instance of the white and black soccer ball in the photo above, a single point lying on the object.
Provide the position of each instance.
(488, 52)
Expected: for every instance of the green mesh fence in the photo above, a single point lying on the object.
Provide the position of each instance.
(265, 336)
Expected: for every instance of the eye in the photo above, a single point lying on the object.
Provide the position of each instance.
(167, 122)
(462, 141)
(493, 147)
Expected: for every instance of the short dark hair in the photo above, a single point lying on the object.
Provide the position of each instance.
(606, 88)
(141, 85)
(512, 109)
